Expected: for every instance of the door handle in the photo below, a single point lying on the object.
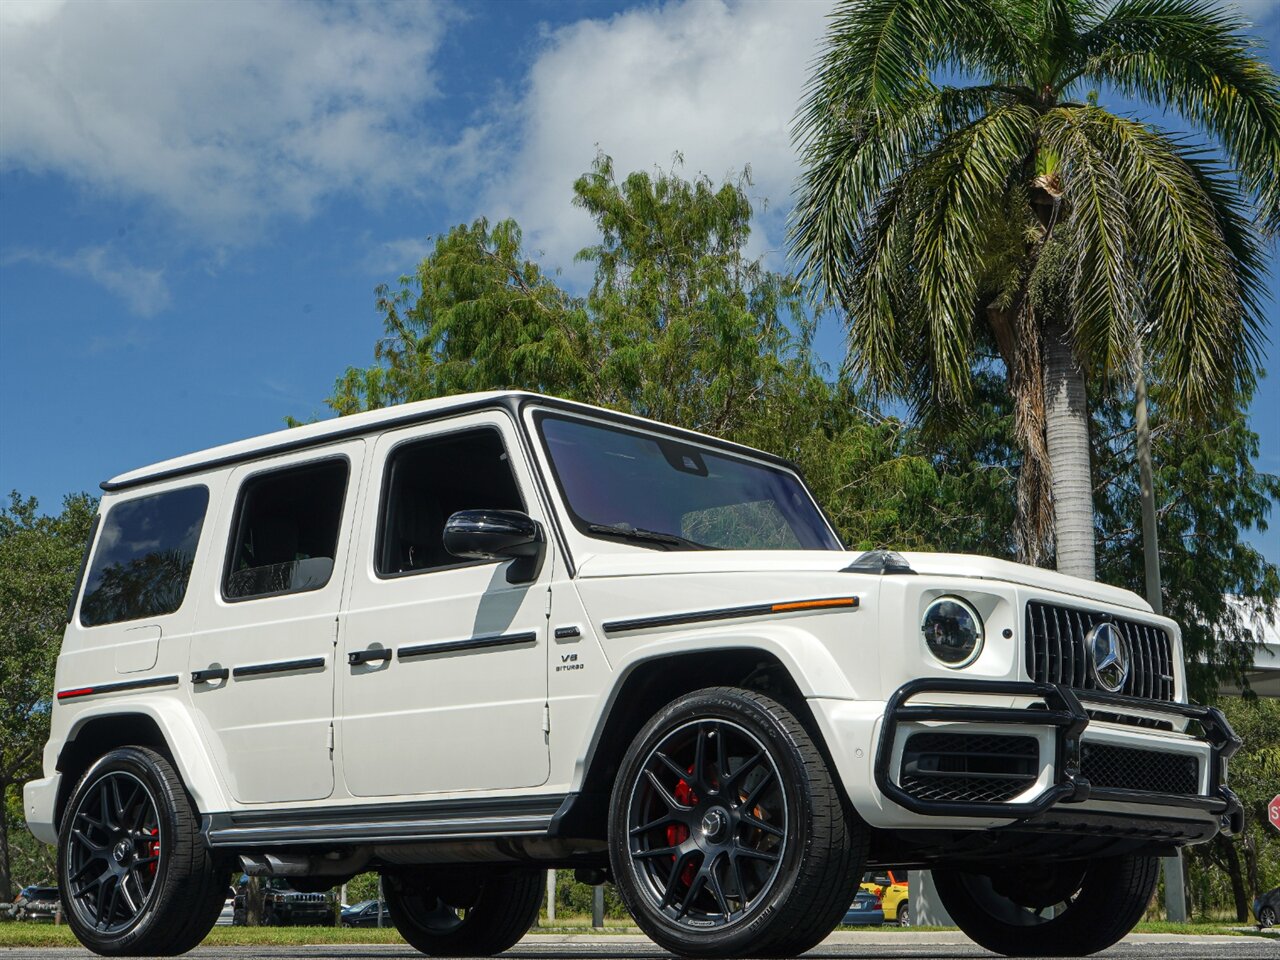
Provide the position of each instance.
(209, 674)
(368, 656)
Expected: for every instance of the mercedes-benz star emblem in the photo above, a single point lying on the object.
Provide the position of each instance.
(1110, 656)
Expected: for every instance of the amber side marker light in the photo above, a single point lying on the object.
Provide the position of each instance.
(815, 604)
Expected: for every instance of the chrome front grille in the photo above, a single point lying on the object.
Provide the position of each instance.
(1056, 653)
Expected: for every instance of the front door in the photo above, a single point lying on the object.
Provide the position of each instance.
(444, 669)
(262, 659)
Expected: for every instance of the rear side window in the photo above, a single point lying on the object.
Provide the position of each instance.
(143, 559)
(286, 532)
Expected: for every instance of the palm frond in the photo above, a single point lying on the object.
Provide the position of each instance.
(1194, 56)
(847, 164)
(876, 50)
(1196, 260)
(1101, 239)
(922, 250)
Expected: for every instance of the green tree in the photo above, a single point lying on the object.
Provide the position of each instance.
(1229, 872)
(679, 324)
(39, 558)
(1015, 215)
(1217, 586)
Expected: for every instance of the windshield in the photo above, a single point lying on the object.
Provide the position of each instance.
(661, 493)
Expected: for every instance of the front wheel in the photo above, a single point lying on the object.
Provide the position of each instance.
(135, 876)
(463, 915)
(1067, 909)
(1267, 917)
(727, 834)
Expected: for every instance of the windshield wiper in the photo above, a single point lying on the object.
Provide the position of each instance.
(625, 531)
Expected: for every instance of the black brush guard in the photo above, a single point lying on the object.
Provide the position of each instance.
(1062, 708)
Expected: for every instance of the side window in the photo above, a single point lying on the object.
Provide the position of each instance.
(143, 559)
(427, 481)
(285, 536)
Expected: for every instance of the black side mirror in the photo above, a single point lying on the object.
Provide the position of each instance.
(498, 535)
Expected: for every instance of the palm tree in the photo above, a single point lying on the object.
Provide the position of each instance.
(1004, 214)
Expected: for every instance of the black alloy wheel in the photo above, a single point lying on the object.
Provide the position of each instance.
(707, 822)
(728, 835)
(1066, 909)
(135, 875)
(114, 853)
(457, 913)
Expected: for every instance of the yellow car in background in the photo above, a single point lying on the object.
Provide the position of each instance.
(891, 887)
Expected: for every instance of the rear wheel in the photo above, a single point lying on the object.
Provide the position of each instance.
(904, 913)
(727, 834)
(463, 915)
(136, 878)
(1068, 909)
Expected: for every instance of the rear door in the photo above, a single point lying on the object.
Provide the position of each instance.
(262, 660)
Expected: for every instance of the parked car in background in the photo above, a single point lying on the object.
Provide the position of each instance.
(865, 911)
(36, 903)
(1267, 908)
(365, 914)
(283, 906)
(891, 887)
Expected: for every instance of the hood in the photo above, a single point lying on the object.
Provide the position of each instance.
(641, 563)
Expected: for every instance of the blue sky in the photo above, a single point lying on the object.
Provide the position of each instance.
(197, 199)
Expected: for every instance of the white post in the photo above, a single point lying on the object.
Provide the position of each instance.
(551, 896)
(925, 905)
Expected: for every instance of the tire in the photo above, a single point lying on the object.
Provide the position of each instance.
(904, 913)
(761, 862)
(1094, 904)
(1267, 917)
(463, 916)
(135, 875)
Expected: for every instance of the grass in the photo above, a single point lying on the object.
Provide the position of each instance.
(47, 935)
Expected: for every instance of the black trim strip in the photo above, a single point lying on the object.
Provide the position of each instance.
(471, 643)
(385, 822)
(281, 666)
(118, 687)
(211, 673)
(730, 613)
(567, 633)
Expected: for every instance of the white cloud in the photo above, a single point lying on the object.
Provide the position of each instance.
(716, 81)
(143, 289)
(227, 114)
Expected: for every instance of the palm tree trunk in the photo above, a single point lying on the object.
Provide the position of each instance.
(1067, 438)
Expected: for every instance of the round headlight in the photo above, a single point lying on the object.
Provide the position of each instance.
(953, 631)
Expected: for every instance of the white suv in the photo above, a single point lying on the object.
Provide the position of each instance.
(465, 640)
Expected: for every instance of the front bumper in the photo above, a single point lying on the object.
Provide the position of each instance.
(1061, 710)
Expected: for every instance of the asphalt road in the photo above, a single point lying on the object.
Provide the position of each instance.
(853, 946)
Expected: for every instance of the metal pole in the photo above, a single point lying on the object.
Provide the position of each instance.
(1175, 893)
(551, 896)
(379, 901)
(1146, 483)
(597, 906)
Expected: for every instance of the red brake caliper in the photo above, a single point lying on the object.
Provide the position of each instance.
(153, 850)
(678, 833)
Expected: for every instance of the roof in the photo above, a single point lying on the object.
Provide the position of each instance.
(374, 421)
